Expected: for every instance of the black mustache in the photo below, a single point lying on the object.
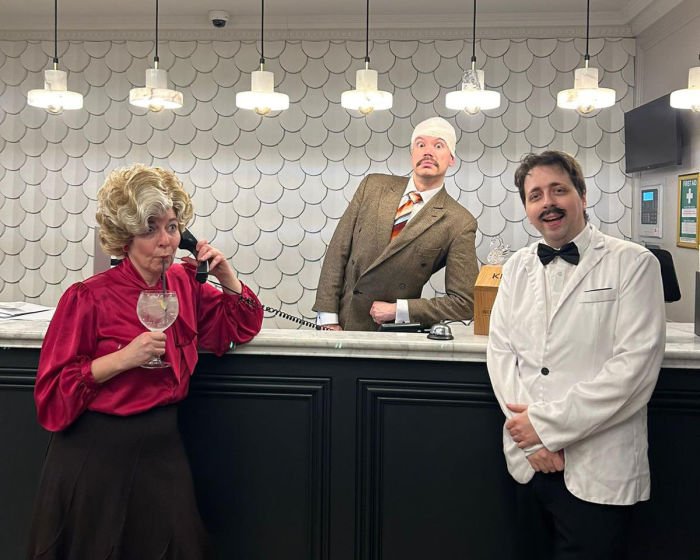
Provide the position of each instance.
(553, 211)
(427, 158)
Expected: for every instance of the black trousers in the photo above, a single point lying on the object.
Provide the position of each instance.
(554, 524)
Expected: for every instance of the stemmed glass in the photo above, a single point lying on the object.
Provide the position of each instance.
(157, 310)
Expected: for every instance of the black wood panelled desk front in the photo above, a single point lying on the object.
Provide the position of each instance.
(313, 445)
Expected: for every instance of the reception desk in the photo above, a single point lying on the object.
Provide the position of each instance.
(313, 445)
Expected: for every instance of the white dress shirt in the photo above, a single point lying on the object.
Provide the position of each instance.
(558, 272)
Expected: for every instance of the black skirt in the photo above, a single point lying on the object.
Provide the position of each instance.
(118, 488)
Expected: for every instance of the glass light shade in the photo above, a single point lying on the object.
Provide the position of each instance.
(55, 96)
(156, 96)
(586, 95)
(366, 98)
(262, 98)
(688, 98)
(473, 98)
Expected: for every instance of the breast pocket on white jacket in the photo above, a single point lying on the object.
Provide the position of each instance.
(596, 295)
(599, 308)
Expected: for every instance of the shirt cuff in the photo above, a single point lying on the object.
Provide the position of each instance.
(247, 296)
(533, 448)
(86, 379)
(326, 318)
(402, 311)
(541, 428)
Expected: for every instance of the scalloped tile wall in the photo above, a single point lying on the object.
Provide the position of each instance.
(269, 191)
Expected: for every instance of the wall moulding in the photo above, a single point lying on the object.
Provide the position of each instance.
(686, 14)
(311, 34)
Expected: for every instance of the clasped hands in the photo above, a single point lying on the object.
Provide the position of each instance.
(524, 435)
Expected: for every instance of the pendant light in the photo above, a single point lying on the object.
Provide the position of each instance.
(688, 98)
(55, 96)
(366, 97)
(586, 95)
(155, 95)
(262, 97)
(473, 98)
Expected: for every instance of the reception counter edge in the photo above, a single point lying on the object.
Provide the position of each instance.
(682, 346)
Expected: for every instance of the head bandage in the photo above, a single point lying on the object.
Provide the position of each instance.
(436, 127)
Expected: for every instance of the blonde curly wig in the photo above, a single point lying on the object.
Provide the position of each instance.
(132, 195)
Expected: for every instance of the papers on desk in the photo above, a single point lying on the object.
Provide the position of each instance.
(24, 311)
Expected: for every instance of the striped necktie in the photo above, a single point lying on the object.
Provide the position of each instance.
(404, 212)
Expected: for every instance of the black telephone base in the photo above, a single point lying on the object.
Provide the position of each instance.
(400, 327)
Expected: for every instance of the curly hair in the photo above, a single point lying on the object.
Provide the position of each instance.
(550, 158)
(130, 197)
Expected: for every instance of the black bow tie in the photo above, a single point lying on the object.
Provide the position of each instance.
(568, 252)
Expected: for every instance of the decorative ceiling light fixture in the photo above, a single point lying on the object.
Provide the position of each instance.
(262, 97)
(55, 96)
(473, 98)
(156, 96)
(586, 95)
(366, 97)
(688, 98)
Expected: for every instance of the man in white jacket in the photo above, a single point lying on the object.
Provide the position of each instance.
(575, 345)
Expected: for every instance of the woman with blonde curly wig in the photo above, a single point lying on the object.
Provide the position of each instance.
(116, 482)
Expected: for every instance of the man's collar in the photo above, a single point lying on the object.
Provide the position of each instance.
(582, 240)
(411, 186)
(412, 182)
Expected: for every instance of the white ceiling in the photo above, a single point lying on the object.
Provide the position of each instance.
(187, 14)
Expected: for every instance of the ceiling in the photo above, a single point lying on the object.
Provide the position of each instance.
(138, 14)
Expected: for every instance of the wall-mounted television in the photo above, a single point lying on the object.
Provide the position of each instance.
(652, 136)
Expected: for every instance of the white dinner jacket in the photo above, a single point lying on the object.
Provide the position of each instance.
(588, 374)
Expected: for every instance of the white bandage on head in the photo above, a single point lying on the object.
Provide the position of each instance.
(437, 127)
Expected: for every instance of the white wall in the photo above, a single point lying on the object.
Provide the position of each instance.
(666, 51)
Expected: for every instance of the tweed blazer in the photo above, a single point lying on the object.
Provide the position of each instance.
(363, 264)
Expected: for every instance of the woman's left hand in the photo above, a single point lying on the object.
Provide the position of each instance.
(218, 267)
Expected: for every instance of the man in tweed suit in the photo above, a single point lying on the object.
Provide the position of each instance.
(379, 260)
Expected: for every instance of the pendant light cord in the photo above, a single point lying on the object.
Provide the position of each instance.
(588, 27)
(474, 36)
(155, 58)
(55, 34)
(367, 36)
(262, 33)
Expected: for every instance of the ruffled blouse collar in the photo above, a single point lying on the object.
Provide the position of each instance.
(132, 276)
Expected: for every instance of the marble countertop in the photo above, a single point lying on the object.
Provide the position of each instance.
(682, 346)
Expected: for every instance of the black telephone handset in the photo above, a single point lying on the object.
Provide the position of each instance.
(189, 243)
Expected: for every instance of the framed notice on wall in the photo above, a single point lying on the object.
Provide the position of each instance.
(688, 211)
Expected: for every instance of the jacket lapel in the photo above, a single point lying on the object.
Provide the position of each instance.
(536, 280)
(596, 251)
(427, 216)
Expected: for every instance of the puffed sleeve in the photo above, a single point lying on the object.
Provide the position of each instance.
(225, 319)
(64, 382)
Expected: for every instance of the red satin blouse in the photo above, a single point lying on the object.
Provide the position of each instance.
(98, 316)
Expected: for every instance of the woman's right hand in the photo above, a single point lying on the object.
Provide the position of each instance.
(136, 353)
(143, 348)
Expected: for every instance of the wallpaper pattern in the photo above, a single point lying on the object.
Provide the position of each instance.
(269, 190)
